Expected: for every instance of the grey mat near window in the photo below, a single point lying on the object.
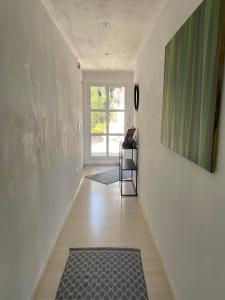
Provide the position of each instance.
(103, 273)
(108, 177)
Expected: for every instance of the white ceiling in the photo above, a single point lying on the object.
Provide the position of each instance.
(130, 22)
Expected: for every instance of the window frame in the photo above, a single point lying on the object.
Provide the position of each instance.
(107, 110)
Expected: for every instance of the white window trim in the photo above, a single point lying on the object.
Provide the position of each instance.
(87, 132)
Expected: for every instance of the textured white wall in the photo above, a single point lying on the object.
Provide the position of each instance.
(184, 204)
(41, 146)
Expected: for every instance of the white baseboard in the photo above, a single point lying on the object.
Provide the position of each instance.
(34, 294)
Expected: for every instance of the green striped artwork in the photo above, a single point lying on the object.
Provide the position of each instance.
(193, 76)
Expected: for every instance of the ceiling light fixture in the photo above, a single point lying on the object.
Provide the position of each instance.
(104, 24)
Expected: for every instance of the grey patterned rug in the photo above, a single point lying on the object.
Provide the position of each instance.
(108, 177)
(103, 273)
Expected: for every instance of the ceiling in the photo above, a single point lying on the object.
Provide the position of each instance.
(114, 47)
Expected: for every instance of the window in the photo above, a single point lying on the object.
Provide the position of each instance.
(107, 112)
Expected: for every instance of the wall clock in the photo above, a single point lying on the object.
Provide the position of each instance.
(136, 97)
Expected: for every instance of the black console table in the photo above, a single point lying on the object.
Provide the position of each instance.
(128, 158)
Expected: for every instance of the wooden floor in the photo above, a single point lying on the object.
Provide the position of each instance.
(100, 218)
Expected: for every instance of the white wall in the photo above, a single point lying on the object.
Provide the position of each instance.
(41, 146)
(125, 78)
(184, 205)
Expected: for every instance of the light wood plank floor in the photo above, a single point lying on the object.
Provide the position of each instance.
(100, 218)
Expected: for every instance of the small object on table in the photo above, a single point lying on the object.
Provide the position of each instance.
(129, 141)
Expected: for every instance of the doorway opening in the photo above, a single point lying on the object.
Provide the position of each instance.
(106, 119)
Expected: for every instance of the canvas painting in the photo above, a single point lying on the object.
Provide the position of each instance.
(193, 77)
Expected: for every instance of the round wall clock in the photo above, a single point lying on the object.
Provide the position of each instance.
(136, 97)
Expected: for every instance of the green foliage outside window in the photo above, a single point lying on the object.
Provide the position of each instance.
(98, 119)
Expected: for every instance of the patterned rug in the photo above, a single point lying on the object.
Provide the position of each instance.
(109, 177)
(103, 273)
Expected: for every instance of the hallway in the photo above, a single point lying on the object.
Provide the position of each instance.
(100, 218)
(71, 75)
